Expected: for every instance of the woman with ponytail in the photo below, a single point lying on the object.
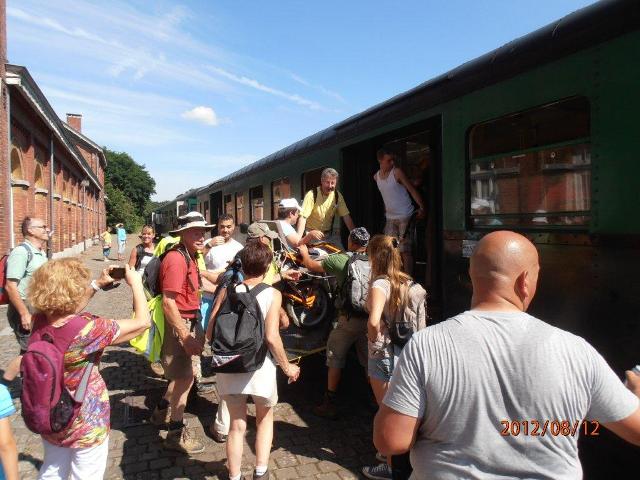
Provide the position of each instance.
(388, 286)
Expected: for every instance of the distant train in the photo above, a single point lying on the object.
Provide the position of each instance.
(539, 136)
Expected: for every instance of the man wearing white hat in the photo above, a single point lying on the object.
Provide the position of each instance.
(288, 213)
(183, 341)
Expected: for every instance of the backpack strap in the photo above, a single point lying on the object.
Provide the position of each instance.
(252, 296)
(337, 193)
(139, 255)
(29, 254)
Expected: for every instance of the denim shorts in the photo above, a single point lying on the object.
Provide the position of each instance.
(380, 368)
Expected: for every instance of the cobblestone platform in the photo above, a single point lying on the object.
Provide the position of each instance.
(304, 446)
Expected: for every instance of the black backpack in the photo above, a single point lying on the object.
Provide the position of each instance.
(238, 344)
(151, 274)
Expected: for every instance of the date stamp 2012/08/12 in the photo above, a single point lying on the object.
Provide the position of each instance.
(553, 428)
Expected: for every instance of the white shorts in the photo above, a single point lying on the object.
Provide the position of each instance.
(62, 463)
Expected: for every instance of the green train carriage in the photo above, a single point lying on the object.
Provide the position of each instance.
(538, 136)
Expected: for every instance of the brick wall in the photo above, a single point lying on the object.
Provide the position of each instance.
(4, 156)
(31, 186)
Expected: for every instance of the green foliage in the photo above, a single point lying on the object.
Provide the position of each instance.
(121, 210)
(129, 187)
(130, 178)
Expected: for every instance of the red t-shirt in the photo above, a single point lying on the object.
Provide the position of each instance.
(173, 278)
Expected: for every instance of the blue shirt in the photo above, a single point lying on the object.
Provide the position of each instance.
(6, 409)
(122, 235)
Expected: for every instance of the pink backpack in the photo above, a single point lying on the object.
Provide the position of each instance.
(47, 405)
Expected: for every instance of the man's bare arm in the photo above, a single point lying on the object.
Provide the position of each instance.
(302, 223)
(308, 262)
(172, 314)
(14, 296)
(402, 179)
(348, 221)
(394, 433)
(629, 428)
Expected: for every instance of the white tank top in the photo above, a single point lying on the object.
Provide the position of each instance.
(397, 202)
(143, 263)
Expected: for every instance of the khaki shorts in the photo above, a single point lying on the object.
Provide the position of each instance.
(176, 362)
(241, 398)
(398, 228)
(347, 332)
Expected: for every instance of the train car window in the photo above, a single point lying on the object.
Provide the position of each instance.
(256, 197)
(532, 169)
(228, 204)
(279, 189)
(311, 179)
(240, 208)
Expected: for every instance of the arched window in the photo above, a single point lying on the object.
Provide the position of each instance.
(16, 164)
(37, 176)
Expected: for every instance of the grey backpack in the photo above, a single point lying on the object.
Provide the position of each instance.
(411, 316)
(353, 294)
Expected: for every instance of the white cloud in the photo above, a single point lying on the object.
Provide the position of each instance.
(250, 82)
(202, 114)
(326, 91)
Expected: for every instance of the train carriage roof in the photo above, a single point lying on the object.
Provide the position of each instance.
(581, 29)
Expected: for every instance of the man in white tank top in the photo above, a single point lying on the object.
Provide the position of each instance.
(395, 189)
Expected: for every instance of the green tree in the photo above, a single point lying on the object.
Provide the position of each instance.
(129, 187)
(120, 209)
(131, 178)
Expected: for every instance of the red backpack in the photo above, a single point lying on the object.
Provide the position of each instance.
(4, 296)
(47, 405)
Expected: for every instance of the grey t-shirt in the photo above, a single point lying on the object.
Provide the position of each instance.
(462, 377)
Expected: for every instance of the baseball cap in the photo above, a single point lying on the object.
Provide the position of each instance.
(259, 229)
(289, 203)
(360, 236)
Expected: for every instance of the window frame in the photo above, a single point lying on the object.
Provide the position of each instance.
(274, 203)
(252, 190)
(469, 224)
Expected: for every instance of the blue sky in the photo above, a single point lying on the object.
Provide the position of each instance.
(196, 89)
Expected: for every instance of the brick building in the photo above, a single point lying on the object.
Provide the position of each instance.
(54, 171)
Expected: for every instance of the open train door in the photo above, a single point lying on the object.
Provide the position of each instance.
(418, 147)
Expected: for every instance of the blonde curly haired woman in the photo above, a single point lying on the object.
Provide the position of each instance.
(58, 293)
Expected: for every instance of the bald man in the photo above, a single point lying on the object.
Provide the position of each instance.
(484, 394)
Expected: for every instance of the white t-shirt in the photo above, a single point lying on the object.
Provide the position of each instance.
(287, 230)
(219, 256)
(462, 377)
(262, 382)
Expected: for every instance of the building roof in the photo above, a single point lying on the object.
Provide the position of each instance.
(589, 26)
(86, 140)
(19, 77)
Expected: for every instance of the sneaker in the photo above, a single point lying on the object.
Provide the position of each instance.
(217, 436)
(205, 388)
(381, 458)
(160, 417)
(157, 369)
(181, 441)
(382, 471)
(264, 476)
(327, 409)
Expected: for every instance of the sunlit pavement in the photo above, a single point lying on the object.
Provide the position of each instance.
(304, 446)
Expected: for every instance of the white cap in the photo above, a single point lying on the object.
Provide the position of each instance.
(289, 203)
